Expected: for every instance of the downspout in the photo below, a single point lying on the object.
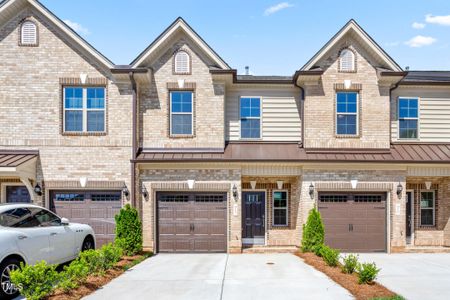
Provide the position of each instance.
(390, 109)
(134, 141)
(302, 111)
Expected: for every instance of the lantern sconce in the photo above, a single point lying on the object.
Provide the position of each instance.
(125, 191)
(38, 189)
(311, 190)
(399, 189)
(144, 191)
(235, 192)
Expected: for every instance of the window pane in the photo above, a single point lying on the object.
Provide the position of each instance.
(95, 98)
(181, 124)
(346, 102)
(19, 217)
(346, 124)
(280, 199)
(73, 97)
(279, 217)
(426, 217)
(96, 121)
(250, 128)
(74, 120)
(408, 108)
(181, 102)
(408, 129)
(427, 200)
(250, 107)
(46, 218)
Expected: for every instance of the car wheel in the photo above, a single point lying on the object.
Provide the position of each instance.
(7, 289)
(88, 244)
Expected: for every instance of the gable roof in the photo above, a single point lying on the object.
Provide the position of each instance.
(352, 25)
(180, 24)
(9, 8)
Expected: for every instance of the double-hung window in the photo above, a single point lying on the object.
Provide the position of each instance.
(408, 118)
(84, 109)
(427, 208)
(181, 110)
(250, 114)
(346, 113)
(280, 208)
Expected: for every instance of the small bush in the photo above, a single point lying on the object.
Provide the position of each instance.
(318, 250)
(330, 256)
(35, 282)
(111, 255)
(73, 275)
(129, 230)
(367, 273)
(350, 263)
(93, 259)
(313, 231)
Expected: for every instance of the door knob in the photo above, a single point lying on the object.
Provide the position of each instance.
(22, 237)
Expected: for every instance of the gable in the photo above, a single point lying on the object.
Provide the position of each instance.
(176, 31)
(352, 31)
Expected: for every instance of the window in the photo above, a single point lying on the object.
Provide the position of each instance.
(182, 63)
(408, 118)
(250, 111)
(280, 208)
(181, 118)
(19, 218)
(427, 206)
(346, 113)
(347, 61)
(84, 109)
(46, 218)
(28, 34)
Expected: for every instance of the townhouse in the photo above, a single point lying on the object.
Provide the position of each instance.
(220, 162)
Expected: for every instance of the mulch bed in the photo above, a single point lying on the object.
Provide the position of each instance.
(93, 283)
(347, 281)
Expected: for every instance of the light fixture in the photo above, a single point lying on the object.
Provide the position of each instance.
(311, 190)
(180, 83)
(125, 191)
(428, 184)
(83, 181)
(191, 183)
(253, 184)
(38, 189)
(347, 84)
(235, 192)
(280, 184)
(354, 183)
(144, 191)
(399, 189)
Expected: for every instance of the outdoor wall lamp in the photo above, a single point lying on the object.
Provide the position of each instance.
(38, 189)
(125, 191)
(144, 191)
(399, 189)
(235, 192)
(311, 190)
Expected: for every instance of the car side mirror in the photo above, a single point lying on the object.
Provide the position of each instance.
(64, 221)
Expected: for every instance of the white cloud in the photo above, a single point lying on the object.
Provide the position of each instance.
(440, 20)
(417, 25)
(420, 41)
(277, 7)
(77, 27)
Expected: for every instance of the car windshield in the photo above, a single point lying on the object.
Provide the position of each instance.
(25, 217)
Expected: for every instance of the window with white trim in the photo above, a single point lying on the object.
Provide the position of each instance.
(84, 109)
(347, 61)
(28, 33)
(250, 114)
(408, 118)
(427, 208)
(182, 62)
(347, 113)
(280, 208)
(181, 113)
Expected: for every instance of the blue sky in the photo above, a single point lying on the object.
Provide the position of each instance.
(272, 37)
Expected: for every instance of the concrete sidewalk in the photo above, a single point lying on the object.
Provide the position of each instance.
(221, 276)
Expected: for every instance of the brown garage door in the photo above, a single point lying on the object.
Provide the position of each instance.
(96, 208)
(192, 222)
(354, 222)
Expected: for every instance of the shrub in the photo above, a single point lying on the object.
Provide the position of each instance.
(73, 275)
(318, 250)
(367, 273)
(93, 259)
(330, 256)
(350, 263)
(313, 231)
(35, 282)
(129, 230)
(111, 255)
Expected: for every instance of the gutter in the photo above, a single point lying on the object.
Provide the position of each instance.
(390, 103)
(134, 142)
(302, 110)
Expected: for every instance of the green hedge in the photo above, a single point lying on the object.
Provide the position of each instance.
(129, 230)
(313, 232)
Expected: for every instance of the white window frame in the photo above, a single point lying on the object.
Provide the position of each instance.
(418, 119)
(22, 42)
(352, 69)
(252, 118)
(182, 52)
(84, 109)
(182, 113)
(347, 114)
(278, 208)
(433, 208)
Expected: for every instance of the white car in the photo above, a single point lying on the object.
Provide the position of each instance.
(30, 233)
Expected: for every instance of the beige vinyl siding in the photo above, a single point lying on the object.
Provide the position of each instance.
(280, 117)
(434, 112)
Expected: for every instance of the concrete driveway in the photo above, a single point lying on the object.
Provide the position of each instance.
(221, 276)
(414, 276)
